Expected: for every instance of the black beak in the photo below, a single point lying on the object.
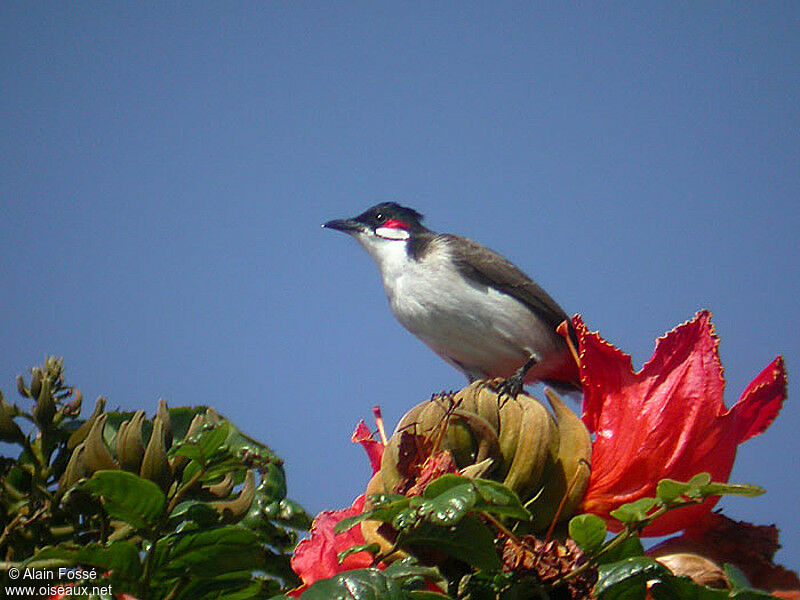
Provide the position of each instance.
(346, 225)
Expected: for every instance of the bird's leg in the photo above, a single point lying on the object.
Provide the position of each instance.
(513, 385)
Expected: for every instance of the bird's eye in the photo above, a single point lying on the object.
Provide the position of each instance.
(380, 218)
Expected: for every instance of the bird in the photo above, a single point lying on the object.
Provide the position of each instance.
(467, 303)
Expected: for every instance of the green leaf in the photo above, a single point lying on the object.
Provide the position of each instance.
(209, 553)
(385, 513)
(469, 541)
(700, 479)
(127, 497)
(628, 548)
(239, 587)
(201, 513)
(497, 499)
(683, 588)
(443, 483)
(206, 444)
(402, 570)
(406, 519)
(627, 578)
(449, 507)
(588, 531)
(736, 579)
(120, 557)
(359, 584)
(634, 512)
(731, 489)
(669, 490)
(371, 548)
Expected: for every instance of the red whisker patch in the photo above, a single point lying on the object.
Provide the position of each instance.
(395, 224)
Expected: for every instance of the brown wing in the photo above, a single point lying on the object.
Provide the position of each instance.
(489, 268)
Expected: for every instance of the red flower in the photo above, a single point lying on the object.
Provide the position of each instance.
(316, 557)
(666, 420)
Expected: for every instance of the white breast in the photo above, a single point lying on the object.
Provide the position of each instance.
(478, 329)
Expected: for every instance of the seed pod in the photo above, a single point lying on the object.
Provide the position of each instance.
(223, 488)
(163, 412)
(76, 469)
(155, 465)
(96, 456)
(570, 473)
(36, 382)
(475, 424)
(129, 446)
(9, 430)
(232, 510)
(23, 391)
(81, 432)
(45, 407)
(514, 441)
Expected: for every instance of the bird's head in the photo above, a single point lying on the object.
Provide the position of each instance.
(381, 227)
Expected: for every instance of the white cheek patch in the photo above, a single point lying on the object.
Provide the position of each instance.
(392, 233)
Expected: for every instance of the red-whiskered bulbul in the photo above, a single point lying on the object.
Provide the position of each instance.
(470, 305)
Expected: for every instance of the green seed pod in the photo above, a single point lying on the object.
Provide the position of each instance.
(569, 478)
(475, 424)
(36, 382)
(23, 391)
(76, 469)
(129, 446)
(81, 432)
(96, 456)
(232, 510)
(155, 465)
(9, 430)
(163, 412)
(45, 408)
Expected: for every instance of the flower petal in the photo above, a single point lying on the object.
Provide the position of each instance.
(761, 401)
(316, 557)
(666, 420)
(372, 447)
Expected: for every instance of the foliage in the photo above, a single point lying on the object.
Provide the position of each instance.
(203, 516)
(466, 527)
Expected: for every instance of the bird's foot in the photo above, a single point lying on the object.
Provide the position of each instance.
(512, 386)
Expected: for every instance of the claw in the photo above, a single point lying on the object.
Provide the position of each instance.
(512, 386)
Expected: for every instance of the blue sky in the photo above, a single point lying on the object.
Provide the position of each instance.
(164, 171)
